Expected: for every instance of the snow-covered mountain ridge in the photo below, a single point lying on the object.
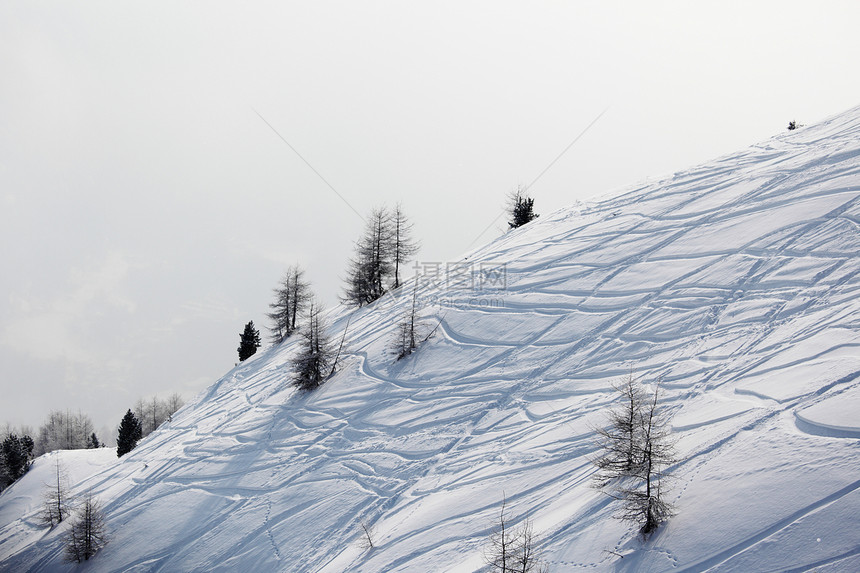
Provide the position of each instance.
(736, 283)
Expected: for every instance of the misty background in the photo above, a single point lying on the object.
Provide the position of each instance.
(147, 211)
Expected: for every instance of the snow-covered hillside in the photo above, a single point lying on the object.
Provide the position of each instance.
(736, 283)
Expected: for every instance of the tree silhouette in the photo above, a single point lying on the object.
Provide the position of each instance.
(249, 342)
(520, 208)
(87, 532)
(128, 434)
(291, 299)
(636, 448)
(313, 364)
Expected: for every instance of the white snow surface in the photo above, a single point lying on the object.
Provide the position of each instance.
(736, 283)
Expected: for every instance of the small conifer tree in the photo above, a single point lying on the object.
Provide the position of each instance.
(249, 342)
(93, 442)
(14, 457)
(520, 208)
(128, 434)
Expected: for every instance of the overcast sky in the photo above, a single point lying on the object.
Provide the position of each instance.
(148, 210)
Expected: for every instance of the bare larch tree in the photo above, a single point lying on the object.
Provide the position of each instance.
(403, 246)
(291, 300)
(313, 363)
(87, 533)
(635, 451)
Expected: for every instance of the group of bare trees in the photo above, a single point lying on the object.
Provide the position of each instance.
(380, 254)
(147, 416)
(295, 310)
(635, 452)
(153, 411)
(410, 331)
(86, 533)
(512, 548)
(64, 431)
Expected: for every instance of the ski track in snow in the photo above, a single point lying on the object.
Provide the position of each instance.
(735, 283)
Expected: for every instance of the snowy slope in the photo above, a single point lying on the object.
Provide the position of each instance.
(737, 283)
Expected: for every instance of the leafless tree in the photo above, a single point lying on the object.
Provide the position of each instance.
(87, 534)
(403, 246)
(646, 503)
(368, 535)
(635, 458)
(340, 347)
(56, 500)
(152, 412)
(291, 299)
(173, 403)
(407, 334)
(63, 431)
(141, 412)
(617, 442)
(511, 549)
(372, 263)
(156, 415)
(313, 363)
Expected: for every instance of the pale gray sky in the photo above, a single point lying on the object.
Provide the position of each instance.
(147, 211)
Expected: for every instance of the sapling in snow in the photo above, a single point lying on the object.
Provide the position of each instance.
(511, 548)
(408, 332)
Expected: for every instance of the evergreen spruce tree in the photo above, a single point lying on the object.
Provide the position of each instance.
(128, 434)
(29, 445)
(249, 342)
(93, 442)
(14, 458)
(520, 208)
